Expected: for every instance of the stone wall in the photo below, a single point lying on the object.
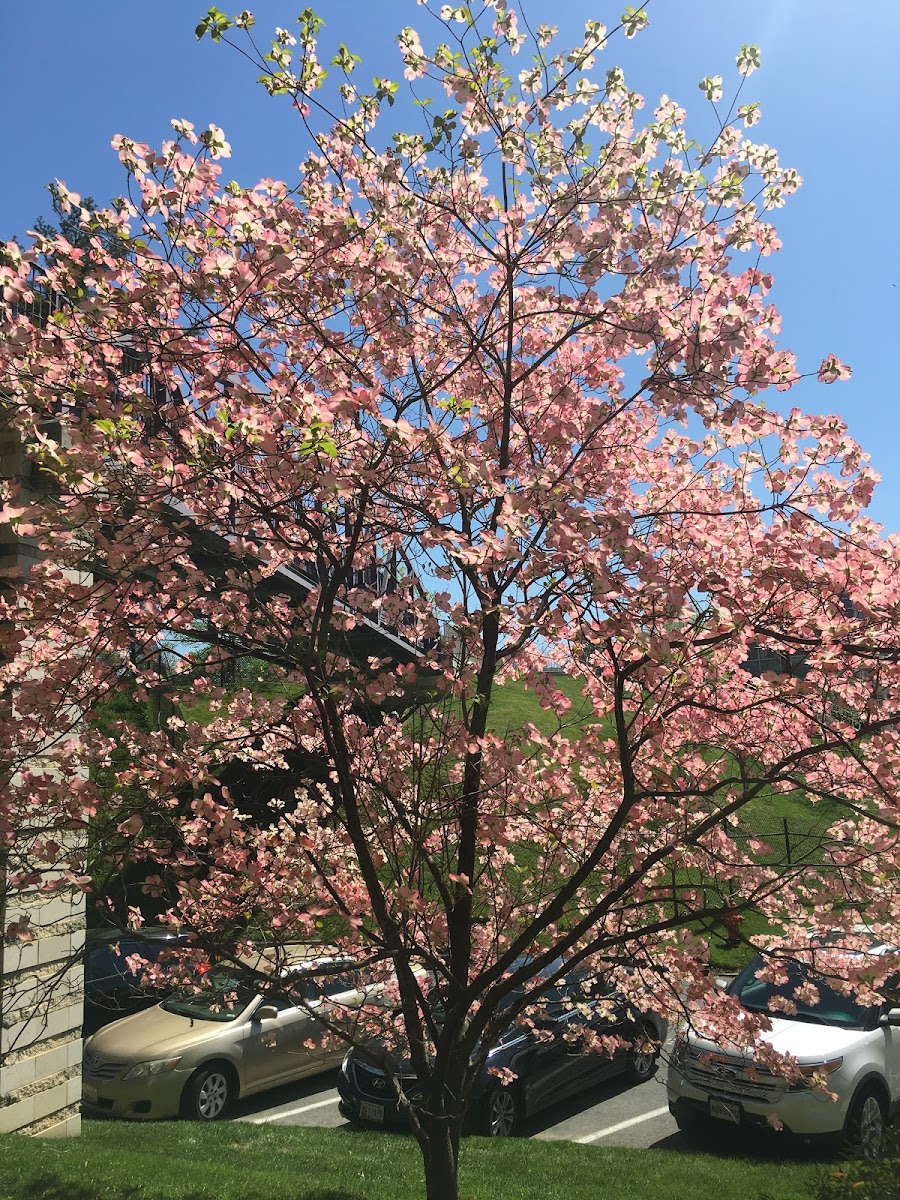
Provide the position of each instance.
(41, 1014)
(41, 1002)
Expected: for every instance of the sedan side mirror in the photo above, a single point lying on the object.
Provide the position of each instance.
(268, 1012)
(891, 1017)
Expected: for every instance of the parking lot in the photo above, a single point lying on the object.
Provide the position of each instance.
(614, 1112)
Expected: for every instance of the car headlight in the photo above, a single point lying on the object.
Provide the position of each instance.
(808, 1070)
(156, 1066)
(679, 1048)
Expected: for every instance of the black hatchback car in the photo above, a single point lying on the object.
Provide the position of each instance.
(548, 1070)
(111, 988)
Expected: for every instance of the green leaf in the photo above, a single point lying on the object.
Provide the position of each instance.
(748, 60)
(634, 20)
(215, 23)
(345, 60)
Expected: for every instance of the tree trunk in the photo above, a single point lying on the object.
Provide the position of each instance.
(439, 1142)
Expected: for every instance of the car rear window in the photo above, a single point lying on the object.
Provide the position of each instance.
(324, 986)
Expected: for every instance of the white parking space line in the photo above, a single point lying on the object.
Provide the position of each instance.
(293, 1112)
(610, 1129)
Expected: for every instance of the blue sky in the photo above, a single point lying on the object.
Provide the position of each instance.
(74, 74)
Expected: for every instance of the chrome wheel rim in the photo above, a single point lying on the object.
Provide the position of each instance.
(645, 1050)
(871, 1128)
(213, 1096)
(502, 1113)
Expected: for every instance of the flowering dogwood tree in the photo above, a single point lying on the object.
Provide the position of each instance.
(505, 389)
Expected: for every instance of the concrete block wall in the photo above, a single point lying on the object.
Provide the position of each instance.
(41, 1000)
(40, 1020)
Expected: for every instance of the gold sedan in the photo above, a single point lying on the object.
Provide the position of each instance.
(193, 1055)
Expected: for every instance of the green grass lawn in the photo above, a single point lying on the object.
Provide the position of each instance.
(180, 1161)
(513, 707)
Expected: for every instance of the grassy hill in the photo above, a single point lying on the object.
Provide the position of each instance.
(514, 706)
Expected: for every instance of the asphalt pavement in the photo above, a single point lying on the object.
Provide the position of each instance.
(614, 1113)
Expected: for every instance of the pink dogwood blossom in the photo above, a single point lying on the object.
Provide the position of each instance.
(329, 467)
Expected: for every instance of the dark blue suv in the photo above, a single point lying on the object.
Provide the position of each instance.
(548, 1070)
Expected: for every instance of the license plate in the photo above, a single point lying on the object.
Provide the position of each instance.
(725, 1110)
(88, 1093)
(370, 1112)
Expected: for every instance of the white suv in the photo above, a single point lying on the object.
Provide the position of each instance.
(856, 1048)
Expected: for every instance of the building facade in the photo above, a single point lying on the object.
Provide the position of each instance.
(40, 979)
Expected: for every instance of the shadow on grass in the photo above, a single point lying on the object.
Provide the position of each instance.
(54, 1187)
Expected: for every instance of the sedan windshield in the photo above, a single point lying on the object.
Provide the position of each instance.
(223, 998)
(830, 1008)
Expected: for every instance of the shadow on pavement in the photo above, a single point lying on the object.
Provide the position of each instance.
(546, 1119)
(313, 1089)
(756, 1145)
(599, 1093)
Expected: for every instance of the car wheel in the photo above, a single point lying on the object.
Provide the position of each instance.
(643, 1057)
(502, 1112)
(209, 1093)
(864, 1127)
(694, 1126)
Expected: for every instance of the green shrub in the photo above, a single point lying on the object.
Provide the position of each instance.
(864, 1179)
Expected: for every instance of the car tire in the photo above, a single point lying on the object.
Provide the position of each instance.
(864, 1128)
(209, 1093)
(503, 1112)
(694, 1126)
(642, 1059)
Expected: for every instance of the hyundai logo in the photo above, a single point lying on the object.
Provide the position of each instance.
(379, 1082)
